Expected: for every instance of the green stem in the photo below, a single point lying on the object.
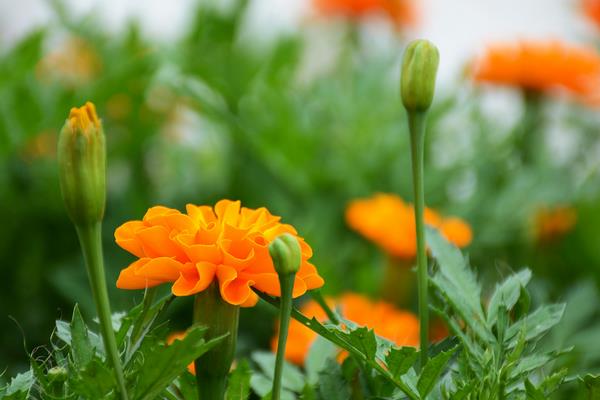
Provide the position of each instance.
(316, 327)
(286, 283)
(90, 238)
(221, 318)
(529, 135)
(318, 297)
(416, 121)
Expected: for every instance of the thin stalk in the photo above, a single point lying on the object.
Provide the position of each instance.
(286, 283)
(318, 297)
(221, 318)
(416, 122)
(90, 239)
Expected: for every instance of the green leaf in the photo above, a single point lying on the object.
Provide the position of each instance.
(457, 284)
(431, 372)
(292, 378)
(81, 347)
(332, 384)
(399, 360)
(238, 387)
(507, 293)
(319, 352)
(161, 364)
(535, 324)
(94, 381)
(592, 384)
(263, 385)
(532, 392)
(364, 340)
(20, 386)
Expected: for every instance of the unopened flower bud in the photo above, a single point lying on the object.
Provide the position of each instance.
(82, 165)
(419, 69)
(286, 254)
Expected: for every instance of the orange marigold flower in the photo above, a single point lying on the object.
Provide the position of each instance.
(179, 336)
(552, 223)
(541, 66)
(390, 222)
(227, 244)
(401, 327)
(592, 9)
(401, 12)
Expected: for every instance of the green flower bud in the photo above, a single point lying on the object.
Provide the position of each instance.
(57, 374)
(286, 254)
(82, 165)
(419, 69)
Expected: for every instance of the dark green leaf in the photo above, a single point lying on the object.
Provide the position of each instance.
(536, 324)
(431, 372)
(81, 347)
(507, 293)
(238, 386)
(592, 384)
(161, 364)
(399, 360)
(94, 381)
(533, 393)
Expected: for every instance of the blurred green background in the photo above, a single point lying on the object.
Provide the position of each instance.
(210, 116)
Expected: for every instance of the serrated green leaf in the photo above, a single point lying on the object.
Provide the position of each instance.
(552, 382)
(20, 386)
(507, 293)
(291, 379)
(535, 324)
(238, 386)
(528, 364)
(161, 364)
(457, 283)
(532, 392)
(400, 360)
(81, 347)
(94, 381)
(432, 371)
(332, 384)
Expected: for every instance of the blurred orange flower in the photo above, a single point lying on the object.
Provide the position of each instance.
(542, 66)
(401, 12)
(179, 336)
(74, 64)
(592, 10)
(227, 244)
(390, 222)
(401, 327)
(552, 223)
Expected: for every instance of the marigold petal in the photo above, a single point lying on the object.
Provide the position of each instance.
(125, 236)
(199, 252)
(456, 231)
(128, 279)
(194, 278)
(157, 242)
(234, 290)
(163, 269)
(202, 215)
(228, 212)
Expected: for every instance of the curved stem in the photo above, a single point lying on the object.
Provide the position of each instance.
(318, 297)
(220, 317)
(416, 121)
(286, 283)
(90, 239)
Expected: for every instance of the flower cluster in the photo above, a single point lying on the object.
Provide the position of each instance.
(401, 327)
(541, 66)
(390, 222)
(228, 244)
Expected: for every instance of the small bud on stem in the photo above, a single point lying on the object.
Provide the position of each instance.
(419, 69)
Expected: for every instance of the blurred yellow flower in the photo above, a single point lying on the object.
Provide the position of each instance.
(389, 222)
(541, 66)
(553, 223)
(399, 326)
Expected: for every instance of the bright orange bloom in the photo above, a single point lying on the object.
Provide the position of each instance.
(541, 66)
(227, 244)
(552, 223)
(401, 327)
(592, 10)
(401, 12)
(390, 222)
(179, 336)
